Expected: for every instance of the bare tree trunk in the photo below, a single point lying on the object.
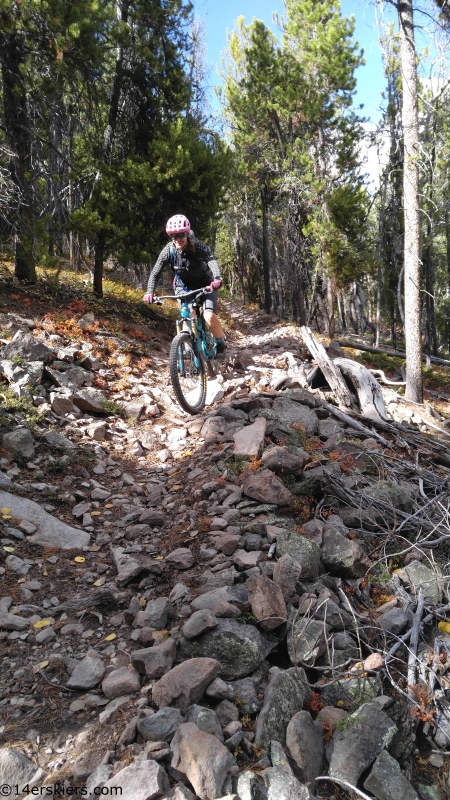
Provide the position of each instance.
(265, 249)
(330, 298)
(413, 344)
(447, 240)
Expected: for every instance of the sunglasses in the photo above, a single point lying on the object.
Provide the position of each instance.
(179, 236)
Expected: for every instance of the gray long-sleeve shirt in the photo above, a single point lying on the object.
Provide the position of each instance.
(193, 267)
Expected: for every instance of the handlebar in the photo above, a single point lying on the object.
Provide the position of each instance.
(196, 292)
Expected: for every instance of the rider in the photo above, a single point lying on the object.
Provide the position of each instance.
(194, 265)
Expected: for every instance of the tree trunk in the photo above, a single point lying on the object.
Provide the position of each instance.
(413, 344)
(265, 250)
(98, 264)
(447, 241)
(330, 371)
(17, 130)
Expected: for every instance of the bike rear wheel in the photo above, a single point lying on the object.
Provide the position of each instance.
(187, 374)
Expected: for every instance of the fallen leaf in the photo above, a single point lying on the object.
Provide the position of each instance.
(158, 558)
(9, 549)
(5, 516)
(188, 453)
(109, 505)
(40, 666)
(43, 623)
(444, 627)
(396, 571)
(5, 510)
(79, 559)
(95, 513)
(110, 637)
(177, 487)
(100, 582)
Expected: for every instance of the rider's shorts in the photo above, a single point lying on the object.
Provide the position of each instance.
(209, 303)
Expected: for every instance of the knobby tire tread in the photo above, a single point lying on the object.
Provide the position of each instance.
(174, 377)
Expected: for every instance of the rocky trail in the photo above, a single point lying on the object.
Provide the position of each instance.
(251, 603)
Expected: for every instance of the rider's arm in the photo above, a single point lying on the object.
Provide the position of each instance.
(209, 259)
(163, 260)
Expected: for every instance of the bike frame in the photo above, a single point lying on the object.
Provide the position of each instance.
(194, 324)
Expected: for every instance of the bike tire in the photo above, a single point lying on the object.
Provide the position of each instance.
(189, 383)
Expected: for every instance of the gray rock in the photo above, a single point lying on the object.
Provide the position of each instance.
(393, 621)
(45, 636)
(185, 684)
(248, 786)
(205, 719)
(90, 400)
(17, 565)
(181, 792)
(343, 557)
(368, 731)
(201, 759)
(221, 599)
(288, 412)
(180, 594)
(304, 741)
(128, 567)
(284, 696)
(418, 575)
(302, 550)
(155, 661)
(160, 727)
(87, 674)
(286, 574)
(395, 495)
(17, 768)
(266, 488)
(335, 617)
(219, 690)
(51, 531)
(387, 782)
(12, 622)
(154, 518)
(244, 560)
(58, 440)
(142, 780)
(267, 602)
(249, 441)
(245, 694)
(62, 402)
(199, 622)
(98, 778)
(307, 640)
(19, 441)
(281, 784)
(181, 558)
(240, 649)
(288, 460)
(27, 347)
(157, 613)
(227, 712)
(121, 682)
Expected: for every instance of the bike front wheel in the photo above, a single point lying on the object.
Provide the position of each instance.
(187, 374)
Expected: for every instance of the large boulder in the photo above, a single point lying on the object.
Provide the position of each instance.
(343, 557)
(19, 441)
(239, 649)
(387, 782)
(266, 488)
(304, 741)
(201, 759)
(367, 732)
(27, 347)
(185, 684)
(285, 695)
(302, 550)
(15, 768)
(142, 780)
(50, 531)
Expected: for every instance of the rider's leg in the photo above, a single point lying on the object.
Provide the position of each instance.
(214, 324)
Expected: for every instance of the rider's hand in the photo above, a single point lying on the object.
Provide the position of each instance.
(215, 284)
(148, 298)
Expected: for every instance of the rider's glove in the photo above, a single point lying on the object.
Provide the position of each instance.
(148, 298)
(215, 284)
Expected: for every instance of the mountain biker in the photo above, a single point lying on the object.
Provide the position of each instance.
(194, 265)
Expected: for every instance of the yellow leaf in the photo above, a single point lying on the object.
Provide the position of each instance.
(5, 516)
(159, 558)
(396, 571)
(95, 513)
(143, 601)
(340, 703)
(110, 637)
(444, 627)
(100, 582)
(38, 667)
(188, 453)
(79, 559)
(176, 487)
(109, 505)
(45, 572)
(43, 623)
(9, 549)
(177, 472)
(5, 510)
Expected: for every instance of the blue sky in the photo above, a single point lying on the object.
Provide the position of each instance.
(219, 15)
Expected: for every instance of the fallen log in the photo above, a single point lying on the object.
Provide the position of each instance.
(368, 389)
(330, 372)
(390, 352)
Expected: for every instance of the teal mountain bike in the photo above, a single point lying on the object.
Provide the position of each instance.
(193, 351)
